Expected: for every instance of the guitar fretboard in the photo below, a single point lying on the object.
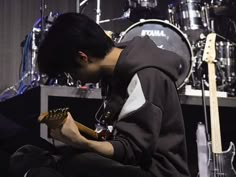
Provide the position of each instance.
(215, 120)
(209, 56)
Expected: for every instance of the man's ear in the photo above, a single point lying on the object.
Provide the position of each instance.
(82, 59)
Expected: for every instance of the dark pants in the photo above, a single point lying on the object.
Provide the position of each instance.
(72, 164)
(4, 163)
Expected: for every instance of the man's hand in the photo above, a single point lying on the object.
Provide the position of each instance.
(69, 133)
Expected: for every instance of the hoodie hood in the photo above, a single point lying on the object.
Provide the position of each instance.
(142, 52)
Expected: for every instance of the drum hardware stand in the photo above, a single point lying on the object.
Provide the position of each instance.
(42, 11)
(34, 76)
(98, 12)
(126, 15)
(34, 52)
(98, 9)
(207, 22)
(212, 28)
(78, 6)
(43, 7)
(83, 2)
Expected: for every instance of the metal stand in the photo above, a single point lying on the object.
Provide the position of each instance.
(98, 9)
(98, 12)
(126, 15)
(34, 51)
(78, 6)
(42, 11)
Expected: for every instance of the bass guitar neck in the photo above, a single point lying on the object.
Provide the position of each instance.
(219, 162)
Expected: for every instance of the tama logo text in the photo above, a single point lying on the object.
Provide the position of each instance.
(158, 33)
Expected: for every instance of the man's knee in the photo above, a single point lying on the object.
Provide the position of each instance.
(27, 157)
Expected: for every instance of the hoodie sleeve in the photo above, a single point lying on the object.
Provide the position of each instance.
(139, 122)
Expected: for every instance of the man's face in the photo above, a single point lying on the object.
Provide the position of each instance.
(89, 73)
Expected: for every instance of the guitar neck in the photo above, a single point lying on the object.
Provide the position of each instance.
(88, 131)
(214, 112)
(209, 56)
(56, 118)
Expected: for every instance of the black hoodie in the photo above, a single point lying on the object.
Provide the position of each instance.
(149, 129)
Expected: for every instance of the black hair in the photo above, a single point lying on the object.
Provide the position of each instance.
(69, 34)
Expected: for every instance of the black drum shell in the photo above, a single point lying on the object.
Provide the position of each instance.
(166, 36)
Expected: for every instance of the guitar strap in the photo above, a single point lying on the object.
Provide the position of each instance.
(112, 108)
(113, 101)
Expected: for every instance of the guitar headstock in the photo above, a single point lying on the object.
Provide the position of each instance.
(54, 118)
(209, 53)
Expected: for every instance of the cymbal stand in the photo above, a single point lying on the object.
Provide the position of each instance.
(43, 6)
(98, 12)
(126, 15)
(29, 75)
(35, 77)
(83, 2)
(41, 31)
(78, 6)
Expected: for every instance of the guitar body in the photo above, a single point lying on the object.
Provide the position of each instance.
(211, 164)
(221, 165)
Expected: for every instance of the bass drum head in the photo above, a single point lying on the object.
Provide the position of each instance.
(165, 36)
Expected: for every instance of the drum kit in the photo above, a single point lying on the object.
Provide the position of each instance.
(184, 31)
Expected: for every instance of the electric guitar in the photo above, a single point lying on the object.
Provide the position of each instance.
(56, 118)
(219, 162)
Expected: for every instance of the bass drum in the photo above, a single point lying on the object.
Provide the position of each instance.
(165, 36)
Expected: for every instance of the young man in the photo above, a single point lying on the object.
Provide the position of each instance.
(148, 136)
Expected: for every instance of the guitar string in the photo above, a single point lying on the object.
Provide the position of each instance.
(222, 165)
(214, 165)
(218, 169)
